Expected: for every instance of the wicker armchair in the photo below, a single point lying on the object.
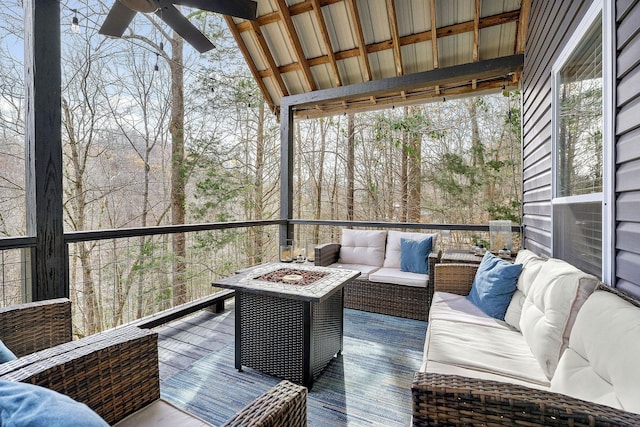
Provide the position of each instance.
(452, 400)
(384, 298)
(115, 372)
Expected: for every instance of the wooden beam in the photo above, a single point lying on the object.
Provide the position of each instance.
(331, 57)
(434, 34)
(247, 56)
(294, 41)
(362, 47)
(481, 70)
(410, 98)
(266, 54)
(43, 150)
(395, 38)
(523, 23)
(476, 31)
(425, 36)
(446, 31)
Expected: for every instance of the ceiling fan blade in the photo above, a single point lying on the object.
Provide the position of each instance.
(181, 25)
(118, 19)
(245, 9)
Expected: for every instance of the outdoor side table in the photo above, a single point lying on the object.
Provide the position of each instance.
(291, 331)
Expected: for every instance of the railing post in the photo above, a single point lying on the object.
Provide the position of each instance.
(43, 148)
(286, 171)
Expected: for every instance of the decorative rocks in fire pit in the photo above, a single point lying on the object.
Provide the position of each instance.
(292, 276)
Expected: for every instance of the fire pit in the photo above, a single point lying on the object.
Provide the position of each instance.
(292, 276)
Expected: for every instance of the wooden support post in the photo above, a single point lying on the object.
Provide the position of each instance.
(43, 149)
(286, 172)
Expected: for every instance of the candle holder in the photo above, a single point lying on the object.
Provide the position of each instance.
(286, 253)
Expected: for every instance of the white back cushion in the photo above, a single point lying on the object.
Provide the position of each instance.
(601, 362)
(549, 310)
(531, 265)
(362, 247)
(392, 255)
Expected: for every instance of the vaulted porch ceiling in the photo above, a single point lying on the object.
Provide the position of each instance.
(302, 46)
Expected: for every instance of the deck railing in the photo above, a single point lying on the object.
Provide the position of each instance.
(119, 276)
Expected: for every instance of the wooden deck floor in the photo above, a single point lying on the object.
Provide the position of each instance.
(184, 341)
(368, 385)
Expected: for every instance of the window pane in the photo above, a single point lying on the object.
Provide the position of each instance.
(577, 229)
(579, 165)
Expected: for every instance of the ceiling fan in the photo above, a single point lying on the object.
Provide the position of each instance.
(123, 11)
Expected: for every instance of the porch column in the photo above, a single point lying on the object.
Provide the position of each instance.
(43, 150)
(286, 170)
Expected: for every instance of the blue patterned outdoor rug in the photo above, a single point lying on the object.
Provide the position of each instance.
(368, 385)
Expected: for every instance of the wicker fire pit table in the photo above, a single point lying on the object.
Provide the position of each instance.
(289, 319)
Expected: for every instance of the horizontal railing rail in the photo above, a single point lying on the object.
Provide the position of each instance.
(405, 225)
(80, 236)
(134, 268)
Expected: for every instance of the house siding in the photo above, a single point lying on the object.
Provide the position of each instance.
(551, 25)
(627, 122)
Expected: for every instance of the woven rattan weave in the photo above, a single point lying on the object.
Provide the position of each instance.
(288, 331)
(385, 298)
(452, 400)
(115, 372)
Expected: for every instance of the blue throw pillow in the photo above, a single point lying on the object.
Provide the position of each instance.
(23, 404)
(414, 255)
(6, 355)
(494, 285)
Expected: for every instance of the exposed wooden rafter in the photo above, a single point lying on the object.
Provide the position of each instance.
(395, 38)
(523, 22)
(476, 31)
(252, 66)
(362, 47)
(317, 10)
(266, 55)
(434, 34)
(294, 40)
(476, 37)
(334, 36)
(425, 36)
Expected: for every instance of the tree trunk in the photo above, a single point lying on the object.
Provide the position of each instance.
(319, 183)
(298, 204)
(404, 178)
(259, 187)
(351, 149)
(90, 309)
(414, 171)
(178, 199)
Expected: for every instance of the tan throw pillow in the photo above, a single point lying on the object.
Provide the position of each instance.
(364, 247)
(550, 308)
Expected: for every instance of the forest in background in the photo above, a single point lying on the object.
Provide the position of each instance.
(156, 134)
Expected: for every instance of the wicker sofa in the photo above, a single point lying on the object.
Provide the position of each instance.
(566, 353)
(382, 287)
(115, 373)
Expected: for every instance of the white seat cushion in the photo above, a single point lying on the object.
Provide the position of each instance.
(398, 277)
(392, 253)
(531, 265)
(365, 270)
(364, 247)
(489, 349)
(161, 413)
(601, 362)
(453, 307)
(552, 303)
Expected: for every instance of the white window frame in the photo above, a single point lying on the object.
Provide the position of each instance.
(608, 130)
